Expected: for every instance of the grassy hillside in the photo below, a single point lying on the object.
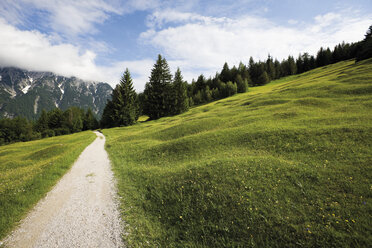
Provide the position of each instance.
(288, 164)
(29, 170)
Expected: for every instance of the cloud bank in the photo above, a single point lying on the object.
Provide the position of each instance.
(194, 42)
(201, 42)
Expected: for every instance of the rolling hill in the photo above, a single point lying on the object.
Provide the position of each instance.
(287, 164)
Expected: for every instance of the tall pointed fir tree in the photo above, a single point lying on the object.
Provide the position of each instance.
(181, 102)
(158, 91)
(123, 108)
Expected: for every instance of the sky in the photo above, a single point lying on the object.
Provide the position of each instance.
(98, 39)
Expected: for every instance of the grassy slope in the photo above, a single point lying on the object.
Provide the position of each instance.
(29, 170)
(287, 164)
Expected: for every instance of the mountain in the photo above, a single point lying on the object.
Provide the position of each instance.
(27, 93)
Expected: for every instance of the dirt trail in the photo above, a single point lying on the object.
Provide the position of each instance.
(80, 211)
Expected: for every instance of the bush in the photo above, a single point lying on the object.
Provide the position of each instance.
(47, 133)
(61, 131)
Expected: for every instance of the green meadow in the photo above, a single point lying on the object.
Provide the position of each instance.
(29, 170)
(288, 164)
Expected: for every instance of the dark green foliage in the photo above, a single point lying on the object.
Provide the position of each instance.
(158, 91)
(324, 57)
(17, 129)
(225, 75)
(365, 51)
(73, 121)
(264, 78)
(231, 88)
(52, 123)
(270, 68)
(42, 122)
(181, 101)
(89, 121)
(123, 109)
(207, 94)
(107, 116)
(55, 118)
(200, 83)
(241, 84)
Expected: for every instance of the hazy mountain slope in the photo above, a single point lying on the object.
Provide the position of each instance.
(26, 93)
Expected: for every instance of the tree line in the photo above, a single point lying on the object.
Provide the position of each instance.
(164, 95)
(52, 123)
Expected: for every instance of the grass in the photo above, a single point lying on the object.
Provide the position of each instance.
(288, 164)
(29, 170)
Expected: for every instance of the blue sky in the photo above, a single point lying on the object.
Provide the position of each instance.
(98, 39)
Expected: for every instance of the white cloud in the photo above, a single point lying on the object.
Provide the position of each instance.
(202, 42)
(33, 50)
(67, 17)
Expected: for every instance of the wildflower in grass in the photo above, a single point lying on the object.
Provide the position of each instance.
(180, 216)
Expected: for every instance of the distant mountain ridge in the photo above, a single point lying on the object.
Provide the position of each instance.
(27, 93)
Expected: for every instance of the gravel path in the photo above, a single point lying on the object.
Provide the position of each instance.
(80, 211)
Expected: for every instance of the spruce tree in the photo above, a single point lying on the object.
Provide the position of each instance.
(264, 78)
(89, 121)
(181, 103)
(241, 84)
(158, 99)
(42, 122)
(225, 75)
(124, 102)
(365, 51)
(270, 68)
(107, 116)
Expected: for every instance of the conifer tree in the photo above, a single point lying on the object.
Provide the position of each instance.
(181, 103)
(365, 51)
(270, 67)
(225, 75)
(158, 100)
(292, 66)
(264, 78)
(89, 121)
(42, 122)
(124, 101)
(122, 110)
(241, 84)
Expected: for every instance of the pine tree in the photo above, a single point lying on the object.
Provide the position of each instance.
(278, 69)
(42, 122)
(124, 102)
(225, 75)
(207, 94)
(231, 88)
(264, 78)
(365, 51)
(158, 91)
(292, 66)
(89, 121)
(241, 84)
(181, 103)
(107, 119)
(270, 67)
